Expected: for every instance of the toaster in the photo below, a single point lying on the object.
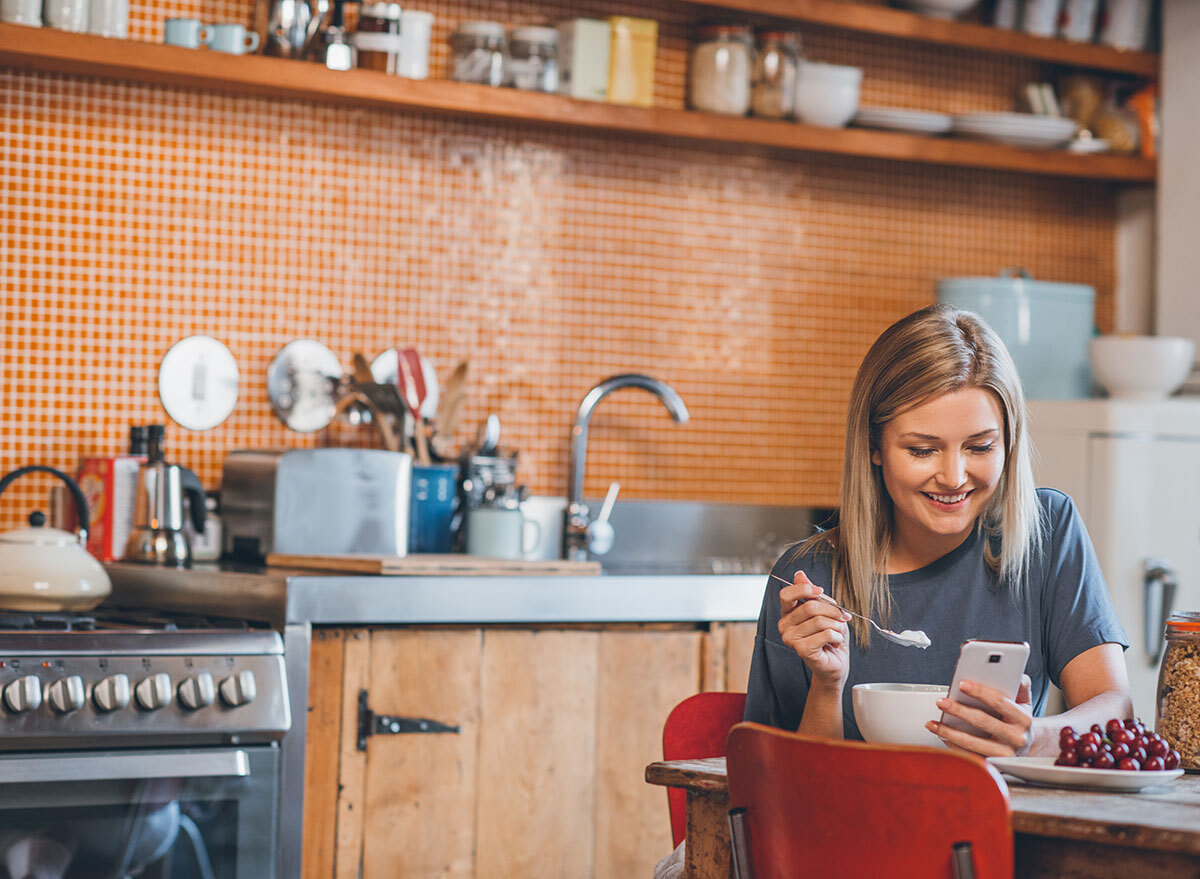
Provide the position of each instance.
(315, 502)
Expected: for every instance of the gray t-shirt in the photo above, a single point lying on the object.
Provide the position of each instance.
(1066, 610)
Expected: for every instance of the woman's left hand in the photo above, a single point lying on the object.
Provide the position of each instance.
(1009, 735)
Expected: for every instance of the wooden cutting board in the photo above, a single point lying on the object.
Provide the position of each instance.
(432, 565)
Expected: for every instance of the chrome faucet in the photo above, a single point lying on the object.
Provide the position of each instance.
(582, 534)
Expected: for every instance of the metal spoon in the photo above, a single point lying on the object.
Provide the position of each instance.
(905, 638)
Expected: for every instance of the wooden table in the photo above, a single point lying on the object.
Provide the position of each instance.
(1058, 833)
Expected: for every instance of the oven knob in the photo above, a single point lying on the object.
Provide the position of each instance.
(111, 693)
(155, 691)
(198, 692)
(23, 694)
(239, 689)
(66, 695)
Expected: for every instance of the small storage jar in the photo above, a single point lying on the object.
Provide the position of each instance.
(719, 78)
(377, 39)
(480, 52)
(773, 83)
(533, 59)
(1177, 713)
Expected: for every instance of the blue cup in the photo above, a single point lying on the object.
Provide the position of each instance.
(434, 503)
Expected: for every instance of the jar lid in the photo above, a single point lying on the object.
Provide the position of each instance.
(1184, 621)
(535, 34)
(480, 29)
(709, 31)
(779, 36)
(390, 11)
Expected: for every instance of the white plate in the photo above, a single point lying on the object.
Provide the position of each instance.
(1017, 129)
(904, 120)
(1041, 770)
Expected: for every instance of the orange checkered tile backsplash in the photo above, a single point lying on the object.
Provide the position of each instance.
(135, 215)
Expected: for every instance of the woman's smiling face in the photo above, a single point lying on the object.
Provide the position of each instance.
(941, 462)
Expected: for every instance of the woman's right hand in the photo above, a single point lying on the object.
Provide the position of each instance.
(815, 629)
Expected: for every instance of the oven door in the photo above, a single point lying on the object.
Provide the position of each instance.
(178, 813)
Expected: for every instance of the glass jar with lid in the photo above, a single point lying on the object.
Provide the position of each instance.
(480, 52)
(719, 75)
(1178, 703)
(773, 82)
(377, 38)
(533, 59)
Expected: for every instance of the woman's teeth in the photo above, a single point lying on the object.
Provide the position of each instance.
(947, 498)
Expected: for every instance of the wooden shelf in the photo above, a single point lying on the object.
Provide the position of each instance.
(44, 49)
(906, 25)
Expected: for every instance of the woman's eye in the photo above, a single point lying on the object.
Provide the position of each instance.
(983, 450)
(920, 453)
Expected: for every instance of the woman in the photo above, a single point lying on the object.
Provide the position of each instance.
(942, 530)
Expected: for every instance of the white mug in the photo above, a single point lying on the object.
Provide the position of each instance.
(1125, 24)
(415, 29)
(28, 12)
(109, 18)
(191, 33)
(232, 38)
(1078, 20)
(501, 533)
(1040, 17)
(66, 15)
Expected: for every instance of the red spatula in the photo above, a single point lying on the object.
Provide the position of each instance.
(412, 389)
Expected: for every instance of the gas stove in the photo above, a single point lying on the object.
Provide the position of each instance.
(113, 678)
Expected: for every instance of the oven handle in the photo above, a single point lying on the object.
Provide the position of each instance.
(121, 767)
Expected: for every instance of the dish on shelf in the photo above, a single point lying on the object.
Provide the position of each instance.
(1041, 770)
(895, 119)
(938, 8)
(1017, 129)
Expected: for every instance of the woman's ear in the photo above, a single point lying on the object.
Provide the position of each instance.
(876, 458)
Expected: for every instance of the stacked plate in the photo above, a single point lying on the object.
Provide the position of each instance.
(904, 120)
(1017, 129)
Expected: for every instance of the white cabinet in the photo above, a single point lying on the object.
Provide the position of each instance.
(1134, 472)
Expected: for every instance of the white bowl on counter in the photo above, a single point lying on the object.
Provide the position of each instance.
(1141, 367)
(827, 94)
(896, 714)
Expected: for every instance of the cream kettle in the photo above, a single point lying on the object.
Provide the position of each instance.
(46, 569)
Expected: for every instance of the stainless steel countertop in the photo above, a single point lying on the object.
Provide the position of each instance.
(282, 596)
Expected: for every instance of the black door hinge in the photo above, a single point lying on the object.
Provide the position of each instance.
(372, 724)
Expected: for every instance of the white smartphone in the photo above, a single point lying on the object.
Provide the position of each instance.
(995, 664)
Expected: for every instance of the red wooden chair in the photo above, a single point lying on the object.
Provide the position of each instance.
(823, 808)
(697, 727)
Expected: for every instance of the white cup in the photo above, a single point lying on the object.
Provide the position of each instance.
(66, 15)
(827, 94)
(28, 12)
(1040, 17)
(415, 29)
(191, 33)
(109, 18)
(501, 533)
(232, 38)
(1126, 23)
(1078, 20)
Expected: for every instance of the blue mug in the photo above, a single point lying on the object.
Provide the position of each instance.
(434, 503)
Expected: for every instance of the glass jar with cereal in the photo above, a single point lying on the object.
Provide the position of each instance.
(1178, 703)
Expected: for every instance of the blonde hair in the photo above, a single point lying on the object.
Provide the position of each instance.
(925, 355)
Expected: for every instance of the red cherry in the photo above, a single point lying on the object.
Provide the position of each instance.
(1171, 761)
(1112, 726)
(1120, 751)
(1098, 730)
(1103, 760)
(1067, 732)
(1086, 751)
(1067, 758)
(1138, 754)
(1154, 764)
(1123, 737)
(1129, 765)
(1157, 748)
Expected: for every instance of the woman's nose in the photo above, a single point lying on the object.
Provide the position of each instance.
(954, 470)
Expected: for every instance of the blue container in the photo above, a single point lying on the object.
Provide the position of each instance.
(1045, 326)
(434, 503)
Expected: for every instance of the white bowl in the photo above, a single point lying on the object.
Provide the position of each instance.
(1141, 367)
(939, 8)
(827, 94)
(896, 714)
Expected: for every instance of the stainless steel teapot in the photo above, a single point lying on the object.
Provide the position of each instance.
(288, 28)
(46, 569)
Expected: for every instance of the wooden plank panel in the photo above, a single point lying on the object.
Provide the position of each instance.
(420, 788)
(714, 656)
(739, 647)
(433, 565)
(537, 755)
(352, 769)
(51, 50)
(321, 748)
(643, 675)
